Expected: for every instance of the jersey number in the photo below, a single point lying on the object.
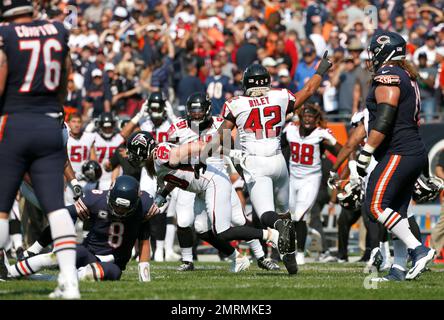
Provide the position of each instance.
(51, 78)
(102, 152)
(302, 153)
(215, 90)
(272, 126)
(78, 153)
(115, 234)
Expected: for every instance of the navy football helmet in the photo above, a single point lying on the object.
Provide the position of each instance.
(198, 108)
(139, 146)
(352, 196)
(385, 46)
(123, 197)
(11, 8)
(92, 171)
(427, 189)
(256, 80)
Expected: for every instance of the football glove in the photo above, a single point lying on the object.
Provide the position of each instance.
(159, 200)
(364, 160)
(77, 189)
(333, 180)
(144, 272)
(324, 65)
(198, 167)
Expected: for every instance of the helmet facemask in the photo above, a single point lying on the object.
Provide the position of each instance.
(121, 208)
(157, 113)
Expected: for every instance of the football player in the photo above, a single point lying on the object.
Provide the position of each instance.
(394, 106)
(200, 125)
(307, 142)
(117, 219)
(213, 189)
(259, 116)
(34, 68)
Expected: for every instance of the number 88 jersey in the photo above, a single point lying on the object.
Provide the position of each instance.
(305, 157)
(260, 120)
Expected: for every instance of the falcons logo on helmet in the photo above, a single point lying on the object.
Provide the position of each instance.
(139, 140)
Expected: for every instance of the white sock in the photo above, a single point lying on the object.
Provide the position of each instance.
(160, 244)
(35, 248)
(4, 233)
(32, 265)
(256, 247)
(402, 231)
(264, 234)
(385, 251)
(17, 240)
(400, 253)
(169, 237)
(64, 240)
(187, 254)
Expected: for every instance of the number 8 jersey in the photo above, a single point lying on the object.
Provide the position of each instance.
(305, 158)
(260, 120)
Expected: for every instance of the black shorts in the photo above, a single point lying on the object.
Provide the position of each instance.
(32, 143)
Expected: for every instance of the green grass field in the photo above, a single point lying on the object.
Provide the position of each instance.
(212, 280)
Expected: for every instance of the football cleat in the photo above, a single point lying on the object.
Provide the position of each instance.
(66, 290)
(394, 274)
(239, 264)
(300, 258)
(286, 240)
(186, 266)
(171, 256)
(290, 263)
(3, 266)
(376, 259)
(267, 264)
(421, 256)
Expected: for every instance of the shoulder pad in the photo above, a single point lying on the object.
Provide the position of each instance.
(387, 75)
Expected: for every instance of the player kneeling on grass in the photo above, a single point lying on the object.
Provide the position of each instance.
(213, 189)
(118, 219)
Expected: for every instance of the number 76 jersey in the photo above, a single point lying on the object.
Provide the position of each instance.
(260, 120)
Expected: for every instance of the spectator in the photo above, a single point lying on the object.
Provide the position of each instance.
(430, 49)
(345, 84)
(285, 81)
(399, 27)
(98, 97)
(188, 85)
(271, 66)
(228, 67)
(384, 22)
(218, 88)
(426, 82)
(73, 97)
(247, 53)
(306, 67)
(94, 11)
(162, 69)
(363, 76)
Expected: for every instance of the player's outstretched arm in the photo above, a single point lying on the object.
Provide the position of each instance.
(356, 137)
(313, 84)
(183, 153)
(223, 135)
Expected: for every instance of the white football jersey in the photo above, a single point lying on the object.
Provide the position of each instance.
(79, 150)
(305, 156)
(160, 134)
(105, 149)
(181, 133)
(260, 120)
(183, 175)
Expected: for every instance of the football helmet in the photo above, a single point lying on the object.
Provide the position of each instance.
(198, 109)
(13, 8)
(427, 189)
(309, 115)
(139, 146)
(123, 197)
(156, 107)
(385, 46)
(107, 125)
(92, 171)
(352, 196)
(256, 80)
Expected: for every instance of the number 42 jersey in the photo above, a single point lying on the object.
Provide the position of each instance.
(260, 120)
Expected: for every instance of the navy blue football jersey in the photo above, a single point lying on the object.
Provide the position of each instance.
(404, 138)
(217, 87)
(109, 235)
(36, 53)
